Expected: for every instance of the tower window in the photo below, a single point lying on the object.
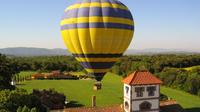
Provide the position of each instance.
(151, 90)
(127, 90)
(139, 91)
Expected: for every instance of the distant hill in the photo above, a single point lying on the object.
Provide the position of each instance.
(26, 51)
(23, 51)
(159, 51)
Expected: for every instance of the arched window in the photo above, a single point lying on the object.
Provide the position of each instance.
(126, 105)
(145, 106)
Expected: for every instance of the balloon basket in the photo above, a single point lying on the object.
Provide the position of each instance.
(97, 86)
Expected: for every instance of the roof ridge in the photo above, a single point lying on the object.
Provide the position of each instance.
(156, 77)
(134, 75)
(142, 77)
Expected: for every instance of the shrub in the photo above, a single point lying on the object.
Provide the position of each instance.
(11, 100)
(19, 109)
(163, 97)
(199, 93)
(33, 110)
(26, 109)
(3, 110)
(192, 84)
(51, 98)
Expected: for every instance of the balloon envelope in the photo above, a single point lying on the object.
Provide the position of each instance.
(97, 32)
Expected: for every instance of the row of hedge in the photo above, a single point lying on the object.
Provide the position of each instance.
(61, 76)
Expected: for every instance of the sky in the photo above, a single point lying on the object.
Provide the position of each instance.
(167, 24)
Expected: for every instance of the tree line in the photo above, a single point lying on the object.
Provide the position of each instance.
(178, 78)
(46, 63)
(154, 63)
(168, 67)
(127, 64)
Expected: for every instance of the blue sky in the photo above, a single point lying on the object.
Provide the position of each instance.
(168, 24)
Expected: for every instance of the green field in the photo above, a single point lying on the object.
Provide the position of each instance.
(111, 94)
(192, 68)
(82, 90)
(186, 100)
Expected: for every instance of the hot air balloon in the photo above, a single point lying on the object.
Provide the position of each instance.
(97, 33)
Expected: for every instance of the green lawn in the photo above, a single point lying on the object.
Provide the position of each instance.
(82, 90)
(112, 92)
(191, 68)
(186, 100)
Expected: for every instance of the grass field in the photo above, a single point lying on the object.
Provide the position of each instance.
(186, 100)
(82, 90)
(111, 94)
(192, 68)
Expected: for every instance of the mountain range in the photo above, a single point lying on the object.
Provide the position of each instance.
(27, 51)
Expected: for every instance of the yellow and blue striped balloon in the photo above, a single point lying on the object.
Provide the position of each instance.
(97, 32)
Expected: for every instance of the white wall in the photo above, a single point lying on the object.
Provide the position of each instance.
(129, 102)
(127, 97)
(154, 103)
(145, 93)
(130, 98)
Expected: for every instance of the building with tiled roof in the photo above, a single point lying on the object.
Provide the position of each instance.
(141, 78)
(141, 92)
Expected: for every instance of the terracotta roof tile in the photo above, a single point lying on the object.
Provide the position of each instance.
(141, 78)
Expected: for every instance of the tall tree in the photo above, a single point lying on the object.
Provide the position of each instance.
(8, 67)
